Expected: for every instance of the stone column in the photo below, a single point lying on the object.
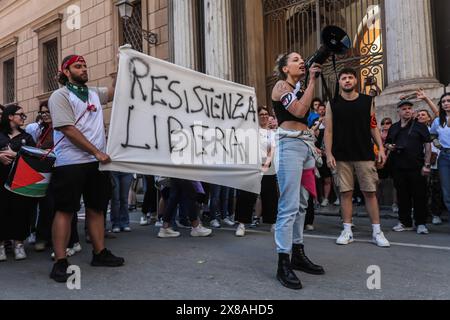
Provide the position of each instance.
(218, 41)
(410, 55)
(185, 32)
(409, 45)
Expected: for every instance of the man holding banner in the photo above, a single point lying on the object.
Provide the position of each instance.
(80, 143)
(175, 122)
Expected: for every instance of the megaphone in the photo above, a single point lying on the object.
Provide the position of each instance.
(334, 41)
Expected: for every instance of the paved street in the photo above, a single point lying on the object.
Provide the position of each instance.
(226, 267)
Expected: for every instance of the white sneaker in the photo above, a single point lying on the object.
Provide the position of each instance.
(229, 222)
(345, 238)
(325, 203)
(127, 229)
(400, 227)
(31, 239)
(337, 203)
(394, 208)
(144, 221)
(309, 227)
(168, 233)
(2, 253)
(436, 220)
(380, 240)
(422, 229)
(159, 223)
(200, 231)
(19, 252)
(77, 247)
(70, 252)
(116, 230)
(214, 223)
(240, 231)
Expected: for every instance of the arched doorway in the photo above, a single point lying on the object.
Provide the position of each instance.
(296, 26)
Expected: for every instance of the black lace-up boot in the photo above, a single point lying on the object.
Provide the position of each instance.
(301, 262)
(285, 274)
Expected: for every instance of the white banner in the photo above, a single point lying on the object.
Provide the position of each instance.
(174, 122)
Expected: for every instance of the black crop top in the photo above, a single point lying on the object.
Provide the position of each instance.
(284, 115)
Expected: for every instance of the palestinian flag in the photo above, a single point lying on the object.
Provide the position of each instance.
(31, 172)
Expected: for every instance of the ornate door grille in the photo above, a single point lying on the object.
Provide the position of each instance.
(132, 28)
(10, 80)
(296, 25)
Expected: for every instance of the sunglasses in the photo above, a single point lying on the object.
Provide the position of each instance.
(22, 115)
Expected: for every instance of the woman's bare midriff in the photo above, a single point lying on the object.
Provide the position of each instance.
(293, 125)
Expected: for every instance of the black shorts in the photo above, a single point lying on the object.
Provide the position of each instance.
(69, 183)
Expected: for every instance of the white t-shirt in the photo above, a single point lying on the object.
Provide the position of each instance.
(66, 108)
(266, 141)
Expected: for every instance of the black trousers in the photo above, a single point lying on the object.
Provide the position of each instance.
(45, 218)
(309, 219)
(411, 189)
(435, 197)
(149, 205)
(15, 215)
(181, 190)
(269, 201)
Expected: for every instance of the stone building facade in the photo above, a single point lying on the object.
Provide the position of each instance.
(36, 35)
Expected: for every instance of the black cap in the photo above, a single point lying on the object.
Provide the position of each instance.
(405, 102)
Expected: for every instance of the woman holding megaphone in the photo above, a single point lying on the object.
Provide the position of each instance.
(294, 159)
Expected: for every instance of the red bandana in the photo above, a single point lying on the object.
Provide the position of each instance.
(71, 61)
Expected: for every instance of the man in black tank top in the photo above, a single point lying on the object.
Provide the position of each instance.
(350, 129)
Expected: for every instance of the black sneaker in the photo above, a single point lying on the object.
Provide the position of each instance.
(256, 222)
(59, 271)
(106, 259)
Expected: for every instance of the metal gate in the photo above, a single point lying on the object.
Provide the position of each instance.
(295, 25)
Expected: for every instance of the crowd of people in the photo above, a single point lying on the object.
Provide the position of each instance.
(311, 152)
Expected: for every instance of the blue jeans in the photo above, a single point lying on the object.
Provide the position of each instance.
(219, 201)
(119, 203)
(444, 171)
(293, 156)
